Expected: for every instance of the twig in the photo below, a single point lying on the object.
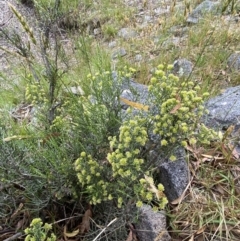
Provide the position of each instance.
(14, 237)
(114, 220)
(64, 219)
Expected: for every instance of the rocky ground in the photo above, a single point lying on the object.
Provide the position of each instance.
(9, 22)
(149, 32)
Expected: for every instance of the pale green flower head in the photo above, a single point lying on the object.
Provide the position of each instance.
(149, 196)
(139, 204)
(172, 158)
(160, 73)
(164, 142)
(132, 70)
(160, 187)
(160, 66)
(36, 221)
(47, 226)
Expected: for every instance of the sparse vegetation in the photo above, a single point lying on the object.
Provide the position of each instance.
(70, 154)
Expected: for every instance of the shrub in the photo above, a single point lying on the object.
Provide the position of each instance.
(111, 143)
(176, 110)
(38, 231)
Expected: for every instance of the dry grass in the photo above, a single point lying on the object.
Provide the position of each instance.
(210, 208)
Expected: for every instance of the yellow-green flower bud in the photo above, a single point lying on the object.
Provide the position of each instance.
(139, 204)
(160, 187)
(164, 142)
(172, 158)
(160, 66)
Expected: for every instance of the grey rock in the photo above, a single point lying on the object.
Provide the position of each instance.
(171, 42)
(134, 92)
(130, 90)
(144, 20)
(174, 175)
(97, 31)
(119, 53)
(151, 225)
(4, 9)
(112, 44)
(147, 19)
(178, 31)
(162, 11)
(182, 67)
(127, 33)
(203, 8)
(138, 58)
(233, 62)
(224, 110)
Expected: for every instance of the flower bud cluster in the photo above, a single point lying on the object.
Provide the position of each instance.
(102, 87)
(127, 164)
(125, 159)
(90, 176)
(148, 192)
(58, 122)
(128, 72)
(98, 80)
(179, 107)
(38, 231)
(35, 94)
(206, 135)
